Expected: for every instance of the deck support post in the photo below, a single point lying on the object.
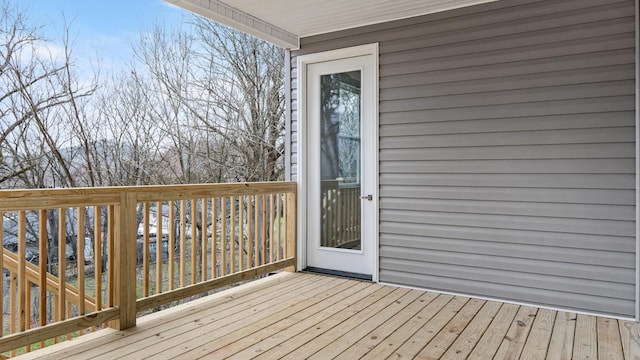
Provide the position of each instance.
(291, 230)
(125, 261)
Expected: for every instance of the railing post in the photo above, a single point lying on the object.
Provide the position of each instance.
(125, 261)
(291, 230)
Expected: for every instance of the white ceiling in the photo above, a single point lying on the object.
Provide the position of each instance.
(283, 22)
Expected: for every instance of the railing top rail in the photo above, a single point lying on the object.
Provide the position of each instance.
(177, 192)
(31, 199)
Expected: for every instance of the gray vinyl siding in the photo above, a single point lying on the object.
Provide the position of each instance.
(507, 150)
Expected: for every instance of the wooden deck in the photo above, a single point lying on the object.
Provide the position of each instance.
(296, 316)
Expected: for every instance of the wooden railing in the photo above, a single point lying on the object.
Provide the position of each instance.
(340, 214)
(105, 255)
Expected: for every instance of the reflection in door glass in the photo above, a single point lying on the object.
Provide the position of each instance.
(340, 160)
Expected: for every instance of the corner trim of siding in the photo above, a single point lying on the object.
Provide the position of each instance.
(637, 45)
(287, 115)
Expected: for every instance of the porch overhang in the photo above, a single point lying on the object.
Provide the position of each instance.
(284, 22)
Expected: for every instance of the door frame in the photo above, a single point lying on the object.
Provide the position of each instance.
(302, 62)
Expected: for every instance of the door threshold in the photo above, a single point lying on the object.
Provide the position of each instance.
(344, 274)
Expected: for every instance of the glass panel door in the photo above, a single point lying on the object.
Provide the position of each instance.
(338, 123)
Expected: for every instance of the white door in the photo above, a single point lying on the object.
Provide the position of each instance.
(340, 125)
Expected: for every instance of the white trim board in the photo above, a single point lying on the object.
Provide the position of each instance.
(302, 62)
(637, 131)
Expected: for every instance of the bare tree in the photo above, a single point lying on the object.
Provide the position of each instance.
(39, 95)
(127, 151)
(200, 104)
(246, 80)
(220, 102)
(41, 106)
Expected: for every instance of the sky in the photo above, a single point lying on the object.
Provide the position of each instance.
(101, 29)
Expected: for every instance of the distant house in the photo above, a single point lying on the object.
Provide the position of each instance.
(10, 237)
(154, 217)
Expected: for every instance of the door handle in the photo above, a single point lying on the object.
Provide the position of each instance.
(367, 197)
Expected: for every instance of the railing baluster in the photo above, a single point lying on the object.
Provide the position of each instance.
(80, 262)
(27, 306)
(203, 236)
(214, 237)
(264, 249)
(271, 239)
(69, 315)
(145, 248)
(249, 230)
(172, 244)
(111, 248)
(183, 242)
(223, 236)
(159, 246)
(12, 305)
(97, 255)
(56, 312)
(241, 232)
(232, 235)
(62, 267)
(348, 215)
(42, 267)
(256, 246)
(279, 226)
(194, 238)
(22, 281)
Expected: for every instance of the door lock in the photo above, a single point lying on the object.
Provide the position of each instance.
(367, 197)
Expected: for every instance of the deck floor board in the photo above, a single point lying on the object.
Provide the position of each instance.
(388, 328)
(468, 339)
(216, 324)
(273, 323)
(561, 345)
(296, 315)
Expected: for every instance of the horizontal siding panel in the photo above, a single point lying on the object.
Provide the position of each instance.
(544, 195)
(414, 22)
(405, 29)
(542, 137)
(573, 211)
(485, 23)
(554, 93)
(518, 293)
(536, 66)
(496, 269)
(507, 150)
(552, 181)
(563, 107)
(569, 151)
(551, 166)
(533, 53)
(552, 122)
(390, 231)
(610, 22)
(528, 20)
(529, 81)
(618, 261)
(543, 224)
